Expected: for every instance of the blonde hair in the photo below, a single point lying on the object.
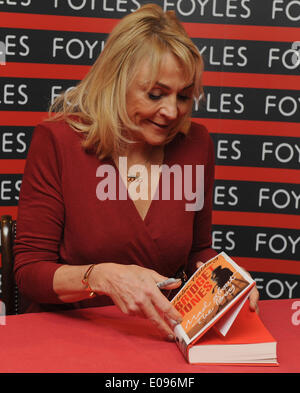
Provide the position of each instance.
(97, 105)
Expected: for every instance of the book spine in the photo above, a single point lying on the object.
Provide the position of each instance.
(181, 340)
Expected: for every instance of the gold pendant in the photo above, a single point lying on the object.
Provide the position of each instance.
(131, 178)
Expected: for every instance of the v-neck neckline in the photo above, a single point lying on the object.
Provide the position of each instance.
(154, 197)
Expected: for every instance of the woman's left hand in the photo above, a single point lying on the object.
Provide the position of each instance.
(254, 294)
(253, 298)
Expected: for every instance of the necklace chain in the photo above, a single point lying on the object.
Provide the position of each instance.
(138, 176)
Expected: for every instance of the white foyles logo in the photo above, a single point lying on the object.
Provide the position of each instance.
(183, 180)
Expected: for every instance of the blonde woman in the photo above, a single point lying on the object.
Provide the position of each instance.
(97, 224)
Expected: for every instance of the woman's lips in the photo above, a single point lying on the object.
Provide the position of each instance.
(162, 126)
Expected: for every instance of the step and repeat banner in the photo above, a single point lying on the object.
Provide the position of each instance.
(251, 50)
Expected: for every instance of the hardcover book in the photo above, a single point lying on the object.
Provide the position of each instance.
(217, 326)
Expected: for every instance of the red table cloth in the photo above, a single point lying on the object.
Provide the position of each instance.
(104, 340)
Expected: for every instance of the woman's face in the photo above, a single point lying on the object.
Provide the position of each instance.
(159, 110)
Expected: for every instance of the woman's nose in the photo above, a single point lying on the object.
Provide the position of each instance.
(169, 108)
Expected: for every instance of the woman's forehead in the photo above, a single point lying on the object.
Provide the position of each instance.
(168, 73)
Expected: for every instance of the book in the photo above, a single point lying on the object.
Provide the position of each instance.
(218, 325)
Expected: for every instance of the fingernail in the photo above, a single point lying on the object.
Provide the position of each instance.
(170, 337)
(173, 322)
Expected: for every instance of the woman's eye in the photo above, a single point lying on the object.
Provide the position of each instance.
(158, 96)
(184, 98)
(154, 96)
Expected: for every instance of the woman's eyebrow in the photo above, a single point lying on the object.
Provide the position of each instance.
(187, 87)
(169, 88)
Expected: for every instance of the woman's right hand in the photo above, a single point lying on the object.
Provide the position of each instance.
(134, 291)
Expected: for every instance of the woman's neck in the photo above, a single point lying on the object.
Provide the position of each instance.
(139, 153)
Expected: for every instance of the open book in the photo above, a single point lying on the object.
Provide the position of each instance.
(217, 326)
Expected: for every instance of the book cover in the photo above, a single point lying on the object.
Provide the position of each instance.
(213, 296)
(212, 290)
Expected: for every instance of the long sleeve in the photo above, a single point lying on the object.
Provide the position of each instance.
(40, 219)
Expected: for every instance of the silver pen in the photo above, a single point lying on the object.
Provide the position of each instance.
(169, 281)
